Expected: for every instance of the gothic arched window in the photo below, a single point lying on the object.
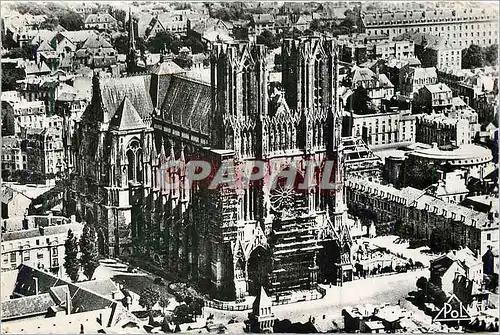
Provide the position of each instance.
(134, 157)
(246, 79)
(318, 76)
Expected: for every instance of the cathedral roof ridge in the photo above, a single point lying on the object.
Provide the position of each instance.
(126, 117)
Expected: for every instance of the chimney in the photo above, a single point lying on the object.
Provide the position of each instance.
(68, 303)
(35, 279)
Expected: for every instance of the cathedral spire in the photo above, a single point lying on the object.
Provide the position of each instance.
(132, 53)
(131, 36)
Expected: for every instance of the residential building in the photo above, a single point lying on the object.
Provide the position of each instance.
(442, 130)
(86, 8)
(445, 269)
(42, 302)
(421, 212)
(22, 27)
(377, 85)
(209, 31)
(355, 53)
(434, 51)
(46, 89)
(374, 319)
(461, 26)
(443, 56)
(13, 158)
(460, 110)
(168, 22)
(261, 22)
(434, 98)
(412, 79)
(101, 22)
(381, 128)
(23, 115)
(41, 248)
(451, 186)
(392, 68)
(96, 52)
(391, 49)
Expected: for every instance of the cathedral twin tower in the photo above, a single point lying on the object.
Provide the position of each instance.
(228, 242)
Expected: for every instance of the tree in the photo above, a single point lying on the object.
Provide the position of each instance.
(10, 76)
(25, 52)
(121, 16)
(121, 43)
(196, 307)
(422, 283)
(164, 302)
(148, 298)
(88, 247)
(267, 38)
(71, 20)
(491, 55)
(472, 57)
(71, 262)
(50, 23)
(182, 314)
(359, 101)
(161, 41)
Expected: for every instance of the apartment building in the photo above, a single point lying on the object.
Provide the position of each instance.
(377, 85)
(382, 128)
(441, 129)
(392, 49)
(23, 115)
(412, 79)
(100, 21)
(422, 212)
(461, 27)
(41, 248)
(13, 158)
(434, 98)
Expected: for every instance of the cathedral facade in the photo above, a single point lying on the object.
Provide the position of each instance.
(229, 241)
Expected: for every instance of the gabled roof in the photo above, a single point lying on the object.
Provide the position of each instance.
(43, 35)
(32, 68)
(262, 18)
(261, 301)
(96, 42)
(187, 102)
(167, 67)
(126, 117)
(99, 18)
(105, 287)
(26, 306)
(78, 36)
(438, 88)
(440, 265)
(424, 72)
(113, 91)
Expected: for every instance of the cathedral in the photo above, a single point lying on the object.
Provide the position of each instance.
(229, 242)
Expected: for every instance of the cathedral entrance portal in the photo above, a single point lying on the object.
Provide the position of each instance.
(259, 267)
(327, 258)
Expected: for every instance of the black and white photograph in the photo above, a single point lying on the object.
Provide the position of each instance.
(233, 167)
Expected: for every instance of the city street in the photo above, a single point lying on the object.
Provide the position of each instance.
(378, 290)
